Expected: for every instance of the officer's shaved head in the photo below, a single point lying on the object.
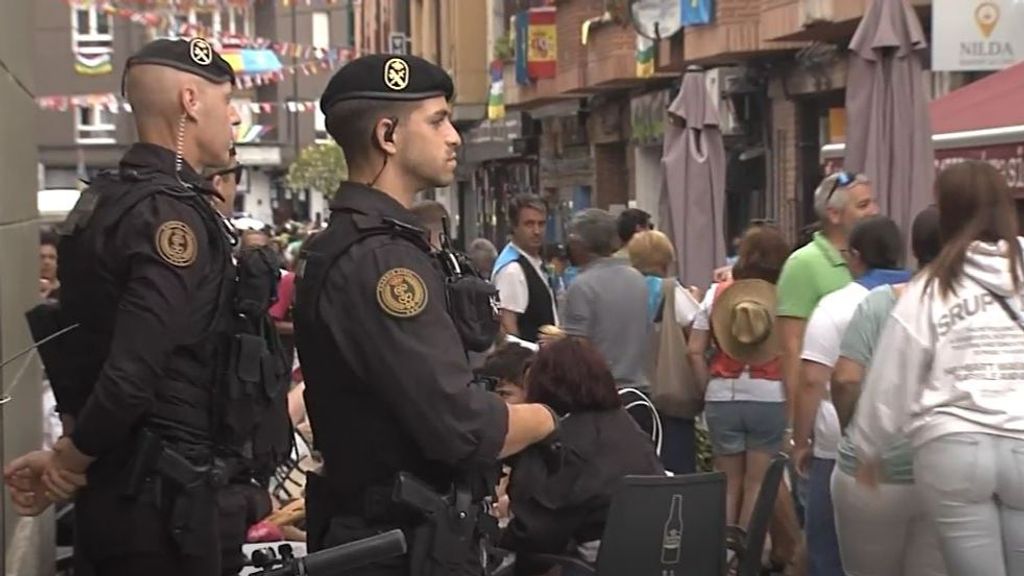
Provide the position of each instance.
(155, 91)
(166, 100)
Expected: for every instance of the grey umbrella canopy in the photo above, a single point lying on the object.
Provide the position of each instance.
(888, 129)
(693, 193)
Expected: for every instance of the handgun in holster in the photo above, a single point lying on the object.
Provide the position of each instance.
(194, 487)
(442, 541)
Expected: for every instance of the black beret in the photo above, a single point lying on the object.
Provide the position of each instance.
(395, 77)
(195, 56)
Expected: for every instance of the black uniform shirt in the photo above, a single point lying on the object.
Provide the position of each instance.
(390, 391)
(151, 285)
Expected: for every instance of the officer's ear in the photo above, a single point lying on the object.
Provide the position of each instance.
(191, 101)
(384, 135)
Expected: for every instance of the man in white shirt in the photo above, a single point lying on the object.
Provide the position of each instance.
(874, 258)
(519, 275)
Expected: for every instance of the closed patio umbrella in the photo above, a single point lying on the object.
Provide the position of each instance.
(889, 129)
(693, 193)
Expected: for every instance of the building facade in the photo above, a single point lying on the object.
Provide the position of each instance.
(453, 35)
(776, 69)
(85, 127)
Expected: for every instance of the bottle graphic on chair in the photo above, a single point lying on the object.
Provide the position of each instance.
(672, 541)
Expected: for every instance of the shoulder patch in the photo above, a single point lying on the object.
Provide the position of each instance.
(176, 243)
(402, 293)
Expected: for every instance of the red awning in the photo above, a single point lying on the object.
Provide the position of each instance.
(992, 102)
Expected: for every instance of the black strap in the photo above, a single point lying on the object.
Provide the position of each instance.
(1005, 305)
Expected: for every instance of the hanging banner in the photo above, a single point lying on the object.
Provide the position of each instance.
(94, 65)
(250, 61)
(976, 35)
(542, 40)
(698, 12)
(520, 36)
(645, 55)
(496, 94)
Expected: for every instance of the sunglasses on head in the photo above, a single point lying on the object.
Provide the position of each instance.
(843, 179)
(236, 171)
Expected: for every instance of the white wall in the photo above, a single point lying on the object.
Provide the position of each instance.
(27, 544)
(257, 197)
(318, 205)
(649, 179)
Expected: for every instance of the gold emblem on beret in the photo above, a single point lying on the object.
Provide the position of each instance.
(200, 51)
(176, 243)
(402, 293)
(396, 74)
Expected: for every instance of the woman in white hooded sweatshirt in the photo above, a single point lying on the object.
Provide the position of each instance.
(948, 373)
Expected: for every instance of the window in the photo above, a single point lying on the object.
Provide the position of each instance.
(321, 29)
(320, 127)
(214, 22)
(92, 32)
(234, 20)
(207, 20)
(94, 124)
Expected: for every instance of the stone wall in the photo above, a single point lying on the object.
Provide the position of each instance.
(28, 543)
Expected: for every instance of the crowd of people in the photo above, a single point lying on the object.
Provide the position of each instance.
(891, 384)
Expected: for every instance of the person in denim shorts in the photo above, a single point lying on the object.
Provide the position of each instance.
(735, 354)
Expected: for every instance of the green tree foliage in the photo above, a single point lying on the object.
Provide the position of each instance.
(319, 167)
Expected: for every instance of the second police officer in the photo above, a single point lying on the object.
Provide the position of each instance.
(387, 380)
(146, 270)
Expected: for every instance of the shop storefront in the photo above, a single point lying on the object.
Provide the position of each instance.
(501, 161)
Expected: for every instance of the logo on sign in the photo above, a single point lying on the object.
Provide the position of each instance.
(969, 35)
(987, 17)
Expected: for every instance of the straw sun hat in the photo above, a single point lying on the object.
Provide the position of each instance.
(743, 321)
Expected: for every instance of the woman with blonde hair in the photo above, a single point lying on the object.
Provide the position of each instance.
(652, 254)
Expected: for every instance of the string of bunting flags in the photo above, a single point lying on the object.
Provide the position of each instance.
(217, 3)
(174, 3)
(316, 59)
(115, 105)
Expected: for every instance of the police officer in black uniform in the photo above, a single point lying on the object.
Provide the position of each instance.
(146, 266)
(387, 380)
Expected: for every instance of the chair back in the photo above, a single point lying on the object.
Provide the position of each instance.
(661, 525)
(761, 517)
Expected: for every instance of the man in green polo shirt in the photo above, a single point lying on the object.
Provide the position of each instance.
(809, 274)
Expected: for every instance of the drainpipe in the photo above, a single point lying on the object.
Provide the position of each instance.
(437, 33)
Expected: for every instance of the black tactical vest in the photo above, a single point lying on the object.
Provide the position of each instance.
(252, 399)
(92, 286)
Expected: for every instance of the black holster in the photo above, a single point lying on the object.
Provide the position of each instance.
(190, 492)
(448, 536)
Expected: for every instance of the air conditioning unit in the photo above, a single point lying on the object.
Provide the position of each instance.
(721, 83)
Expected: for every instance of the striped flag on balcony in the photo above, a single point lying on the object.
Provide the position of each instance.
(645, 51)
(496, 94)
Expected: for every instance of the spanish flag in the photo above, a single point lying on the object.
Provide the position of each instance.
(542, 43)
